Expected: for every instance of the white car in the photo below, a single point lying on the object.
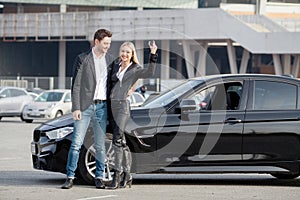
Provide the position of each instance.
(48, 105)
(136, 99)
(13, 101)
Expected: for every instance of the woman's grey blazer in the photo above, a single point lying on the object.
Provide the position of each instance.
(84, 80)
(119, 89)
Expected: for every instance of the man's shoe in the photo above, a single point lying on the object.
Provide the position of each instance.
(99, 183)
(68, 184)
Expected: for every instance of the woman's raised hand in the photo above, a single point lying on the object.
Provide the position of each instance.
(153, 47)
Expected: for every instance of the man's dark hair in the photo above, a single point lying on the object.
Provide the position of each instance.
(102, 33)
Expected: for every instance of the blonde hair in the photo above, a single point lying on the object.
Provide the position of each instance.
(134, 58)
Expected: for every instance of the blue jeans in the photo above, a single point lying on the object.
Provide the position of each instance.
(97, 114)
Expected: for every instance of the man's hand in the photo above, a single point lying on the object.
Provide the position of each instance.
(77, 115)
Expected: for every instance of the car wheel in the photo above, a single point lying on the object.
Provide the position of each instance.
(58, 114)
(110, 162)
(26, 120)
(285, 176)
(87, 163)
(22, 117)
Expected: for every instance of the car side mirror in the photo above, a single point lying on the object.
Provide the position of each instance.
(187, 105)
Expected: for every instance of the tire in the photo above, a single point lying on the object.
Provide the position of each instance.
(87, 164)
(26, 120)
(109, 161)
(285, 176)
(85, 157)
(58, 114)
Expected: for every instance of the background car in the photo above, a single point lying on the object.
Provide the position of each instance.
(136, 99)
(33, 95)
(48, 105)
(250, 124)
(13, 101)
(35, 90)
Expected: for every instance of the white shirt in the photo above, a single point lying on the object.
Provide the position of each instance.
(120, 73)
(101, 76)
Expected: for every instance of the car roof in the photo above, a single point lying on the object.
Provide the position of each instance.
(58, 90)
(225, 76)
(12, 87)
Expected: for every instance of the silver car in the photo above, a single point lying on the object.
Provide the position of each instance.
(48, 105)
(13, 101)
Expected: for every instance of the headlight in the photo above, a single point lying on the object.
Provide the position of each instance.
(51, 105)
(26, 107)
(59, 133)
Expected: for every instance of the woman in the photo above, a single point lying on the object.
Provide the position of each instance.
(123, 74)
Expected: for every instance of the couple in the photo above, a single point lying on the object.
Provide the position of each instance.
(100, 87)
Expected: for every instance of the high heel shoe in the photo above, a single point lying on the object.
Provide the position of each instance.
(127, 180)
(116, 181)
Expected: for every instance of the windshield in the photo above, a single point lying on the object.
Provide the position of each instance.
(172, 94)
(49, 97)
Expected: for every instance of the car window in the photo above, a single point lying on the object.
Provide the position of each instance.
(50, 96)
(68, 97)
(16, 92)
(173, 94)
(203, 98)
(138, 98)
(225, 96)
(5, 93)
(270, 95)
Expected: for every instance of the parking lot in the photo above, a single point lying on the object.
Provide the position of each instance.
(18, 180)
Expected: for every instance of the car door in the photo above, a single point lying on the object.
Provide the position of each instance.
(272, 122)
(19, 99)
(5, 104)
(66, 103)
(13, 101)
(211, 133)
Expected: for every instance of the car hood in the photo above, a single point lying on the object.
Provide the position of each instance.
(65, 120)
(40, 105)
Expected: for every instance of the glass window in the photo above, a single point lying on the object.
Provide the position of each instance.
(270, 95)
(5, 93)
(173, 94)
(225, 96)
(138, 98)
(16, 92)
(50, 97)
(68, 97)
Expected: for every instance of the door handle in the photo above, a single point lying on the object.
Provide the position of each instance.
(233, 121)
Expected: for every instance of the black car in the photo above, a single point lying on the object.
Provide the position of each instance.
(215, 124)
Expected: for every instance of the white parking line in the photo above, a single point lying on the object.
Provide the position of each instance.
(10, 158)
(100, 197)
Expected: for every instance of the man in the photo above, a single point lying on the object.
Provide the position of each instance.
(89, 95)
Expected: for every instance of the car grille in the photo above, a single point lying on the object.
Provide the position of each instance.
(36, 135)
(36, 116)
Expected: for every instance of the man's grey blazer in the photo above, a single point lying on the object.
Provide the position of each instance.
(84, 80)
